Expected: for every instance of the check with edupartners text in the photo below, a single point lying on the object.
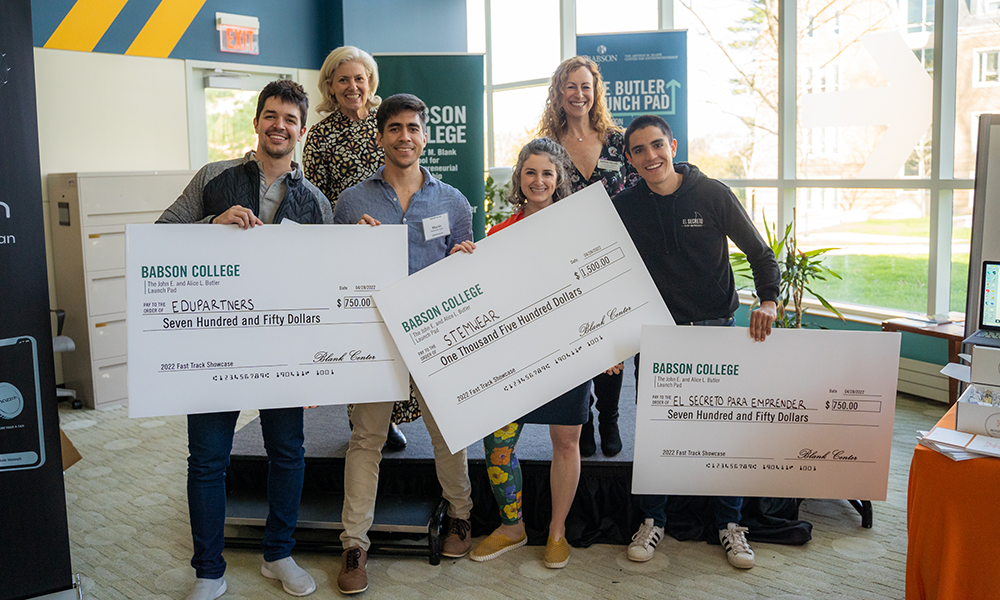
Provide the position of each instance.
(804, 414)
(221, 319)
(539, 308)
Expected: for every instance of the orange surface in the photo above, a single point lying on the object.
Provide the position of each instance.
(952, 518)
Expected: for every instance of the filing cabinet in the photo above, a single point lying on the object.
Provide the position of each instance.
(89, 212)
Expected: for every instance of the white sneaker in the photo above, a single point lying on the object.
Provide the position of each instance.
(207, 589)
(738, 551)
(293, 578)
(644, 541)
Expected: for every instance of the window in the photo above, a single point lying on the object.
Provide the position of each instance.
(926, 58)
(987, 66)
(919, 162)
(879, 219)
(222, 102)
(919, 15)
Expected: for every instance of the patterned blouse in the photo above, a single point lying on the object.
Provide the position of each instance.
(613, 169)
(340, 153)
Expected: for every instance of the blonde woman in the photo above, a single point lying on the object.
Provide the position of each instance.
(340, 152)
(576, 117)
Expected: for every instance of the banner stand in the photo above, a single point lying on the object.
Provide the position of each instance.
(35, 557)
(644, 74)
(452, 87)
(75, 593)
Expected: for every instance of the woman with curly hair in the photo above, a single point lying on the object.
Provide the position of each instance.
(341, 151)
(576, 117)
(539, 180)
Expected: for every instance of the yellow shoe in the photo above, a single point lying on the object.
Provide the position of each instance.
(556, 553)
(495, 545)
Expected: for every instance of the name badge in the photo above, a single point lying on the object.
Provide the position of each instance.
(435, 227)
(609, 165)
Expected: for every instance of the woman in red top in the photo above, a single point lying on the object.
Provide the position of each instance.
(540, 179)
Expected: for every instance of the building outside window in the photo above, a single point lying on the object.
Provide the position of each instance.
(874, 206)
(987, 61)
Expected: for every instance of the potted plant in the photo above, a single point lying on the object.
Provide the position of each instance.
(496, 205)
(798, 271)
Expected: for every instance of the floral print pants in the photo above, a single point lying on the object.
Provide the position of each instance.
(505, 471)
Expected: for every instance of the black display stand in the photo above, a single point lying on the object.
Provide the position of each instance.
(35, 557)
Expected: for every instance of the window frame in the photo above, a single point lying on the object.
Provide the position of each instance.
(940, 185)
(978, 62)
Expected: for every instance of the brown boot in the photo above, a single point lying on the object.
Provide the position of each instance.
(459, 539)
(353, 578)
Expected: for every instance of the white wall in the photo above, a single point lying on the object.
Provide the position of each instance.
(108, 112)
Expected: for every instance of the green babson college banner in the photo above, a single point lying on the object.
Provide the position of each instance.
(452, 87)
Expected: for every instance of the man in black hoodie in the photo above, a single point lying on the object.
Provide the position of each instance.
(679, 220)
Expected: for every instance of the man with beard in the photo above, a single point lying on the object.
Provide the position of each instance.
(439, 221)
(264, 186)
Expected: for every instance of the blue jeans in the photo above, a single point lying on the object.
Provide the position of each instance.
(728, 509)
(210, 441)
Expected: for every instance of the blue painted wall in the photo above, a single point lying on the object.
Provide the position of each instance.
(395, 26)
(293, 33)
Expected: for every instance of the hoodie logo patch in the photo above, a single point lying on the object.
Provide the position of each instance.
(695, 221)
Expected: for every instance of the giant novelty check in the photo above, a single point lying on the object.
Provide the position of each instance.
(804, 414)
(539, 308)
(276, 316)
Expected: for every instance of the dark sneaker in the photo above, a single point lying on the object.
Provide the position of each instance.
(353, 578)
(459, 539)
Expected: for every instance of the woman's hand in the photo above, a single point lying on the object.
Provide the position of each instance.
(368, 220)
(467, 246)
(616, 369)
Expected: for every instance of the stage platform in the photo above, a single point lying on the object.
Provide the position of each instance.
(603, 510)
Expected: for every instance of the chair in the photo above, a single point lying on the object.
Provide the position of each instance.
(64, 343)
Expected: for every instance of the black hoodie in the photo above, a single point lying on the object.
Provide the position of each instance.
(682, 240)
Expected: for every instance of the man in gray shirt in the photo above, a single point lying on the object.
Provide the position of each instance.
(264, 186)
(439, 220)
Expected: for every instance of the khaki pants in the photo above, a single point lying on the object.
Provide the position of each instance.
(371, 425)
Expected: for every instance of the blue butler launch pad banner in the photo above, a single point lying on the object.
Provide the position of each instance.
(644, 74)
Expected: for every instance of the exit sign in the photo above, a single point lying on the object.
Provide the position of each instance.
(238, 33)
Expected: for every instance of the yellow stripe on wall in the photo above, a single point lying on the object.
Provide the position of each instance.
(85, 24)
(164, 29)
